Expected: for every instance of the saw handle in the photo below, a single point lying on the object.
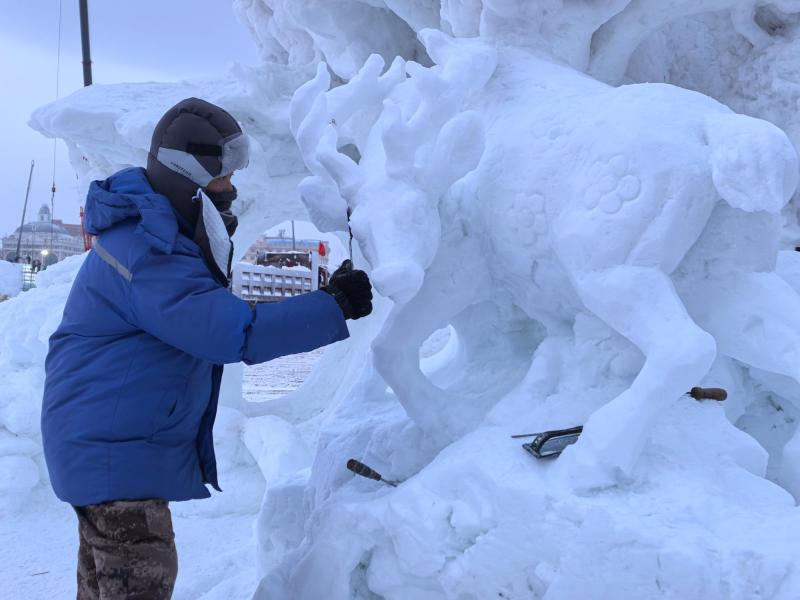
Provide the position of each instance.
(717, 394)
(363, 470)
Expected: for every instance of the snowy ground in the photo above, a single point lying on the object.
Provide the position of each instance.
(277, 378)
(39, 547)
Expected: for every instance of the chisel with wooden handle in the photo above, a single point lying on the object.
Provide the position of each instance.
(363, 470)
(699, 393)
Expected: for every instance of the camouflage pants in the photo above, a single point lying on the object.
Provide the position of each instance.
(127, 550)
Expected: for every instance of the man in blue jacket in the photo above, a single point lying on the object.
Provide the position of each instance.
(133, 372)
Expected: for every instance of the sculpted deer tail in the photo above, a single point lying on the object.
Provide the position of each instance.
(753, 164)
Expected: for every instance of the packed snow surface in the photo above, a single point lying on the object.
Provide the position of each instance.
(549, 248)
(269, 381)
(10, 278)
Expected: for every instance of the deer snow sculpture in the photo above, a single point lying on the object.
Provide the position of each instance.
(566, 194)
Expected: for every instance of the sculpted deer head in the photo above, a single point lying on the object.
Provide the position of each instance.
(385, 147)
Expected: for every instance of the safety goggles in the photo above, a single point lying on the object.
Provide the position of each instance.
(233, 153)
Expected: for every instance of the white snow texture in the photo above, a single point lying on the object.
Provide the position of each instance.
(566, 223)
(10, 278)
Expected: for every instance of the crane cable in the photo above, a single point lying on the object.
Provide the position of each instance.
(55, 140)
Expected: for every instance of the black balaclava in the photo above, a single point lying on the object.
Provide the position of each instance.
(193, 143)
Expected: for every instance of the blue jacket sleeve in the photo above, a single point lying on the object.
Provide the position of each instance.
(175, 298)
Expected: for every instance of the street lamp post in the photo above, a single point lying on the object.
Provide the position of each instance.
(24, 210)
(85, 51)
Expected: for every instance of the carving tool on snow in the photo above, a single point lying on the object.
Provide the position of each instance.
(363, 470)
(552, 443)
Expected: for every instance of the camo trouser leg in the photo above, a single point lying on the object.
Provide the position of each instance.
(127, 550)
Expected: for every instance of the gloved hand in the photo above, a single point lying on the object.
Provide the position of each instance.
(352, 291)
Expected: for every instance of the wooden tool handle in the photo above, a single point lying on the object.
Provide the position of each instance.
(717, 394)
(363, 470)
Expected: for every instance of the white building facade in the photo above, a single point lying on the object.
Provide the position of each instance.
(45, 240)
(262, 283)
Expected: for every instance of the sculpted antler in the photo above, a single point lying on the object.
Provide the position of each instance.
(413, 141)
(437, 95)
(317, 118)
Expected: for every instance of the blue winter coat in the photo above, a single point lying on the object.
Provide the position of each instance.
(133, 371)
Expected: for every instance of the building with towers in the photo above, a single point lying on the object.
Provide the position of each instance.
(46, 239)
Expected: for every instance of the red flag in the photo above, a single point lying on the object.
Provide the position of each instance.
(321, 249)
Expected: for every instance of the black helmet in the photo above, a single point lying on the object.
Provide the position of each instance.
(194, 142)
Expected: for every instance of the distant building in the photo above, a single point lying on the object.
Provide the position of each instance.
(47, 240)
(271, 270)
(262, 283)
(74, 229)
(281, 243)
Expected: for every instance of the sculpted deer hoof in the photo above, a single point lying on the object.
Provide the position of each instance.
(585, 473)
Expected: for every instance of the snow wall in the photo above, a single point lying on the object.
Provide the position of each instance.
(556, 242)
(10, 279)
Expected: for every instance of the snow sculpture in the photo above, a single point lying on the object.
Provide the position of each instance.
(617, 39)
(498, 255)
(27, 321)
(596, 202)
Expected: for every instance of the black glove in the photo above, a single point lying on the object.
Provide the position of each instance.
(352, 291)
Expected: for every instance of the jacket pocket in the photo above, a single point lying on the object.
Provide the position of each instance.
(171, 409)
(140, 413)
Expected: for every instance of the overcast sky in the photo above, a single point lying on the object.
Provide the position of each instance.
(145, 40)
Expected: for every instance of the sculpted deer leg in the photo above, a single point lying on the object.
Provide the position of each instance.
(396, 350)
(642, 305)
(755, 318)
(398, 364)
(396, 358)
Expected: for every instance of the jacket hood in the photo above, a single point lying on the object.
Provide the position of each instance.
(193, 143)
(128, 194)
